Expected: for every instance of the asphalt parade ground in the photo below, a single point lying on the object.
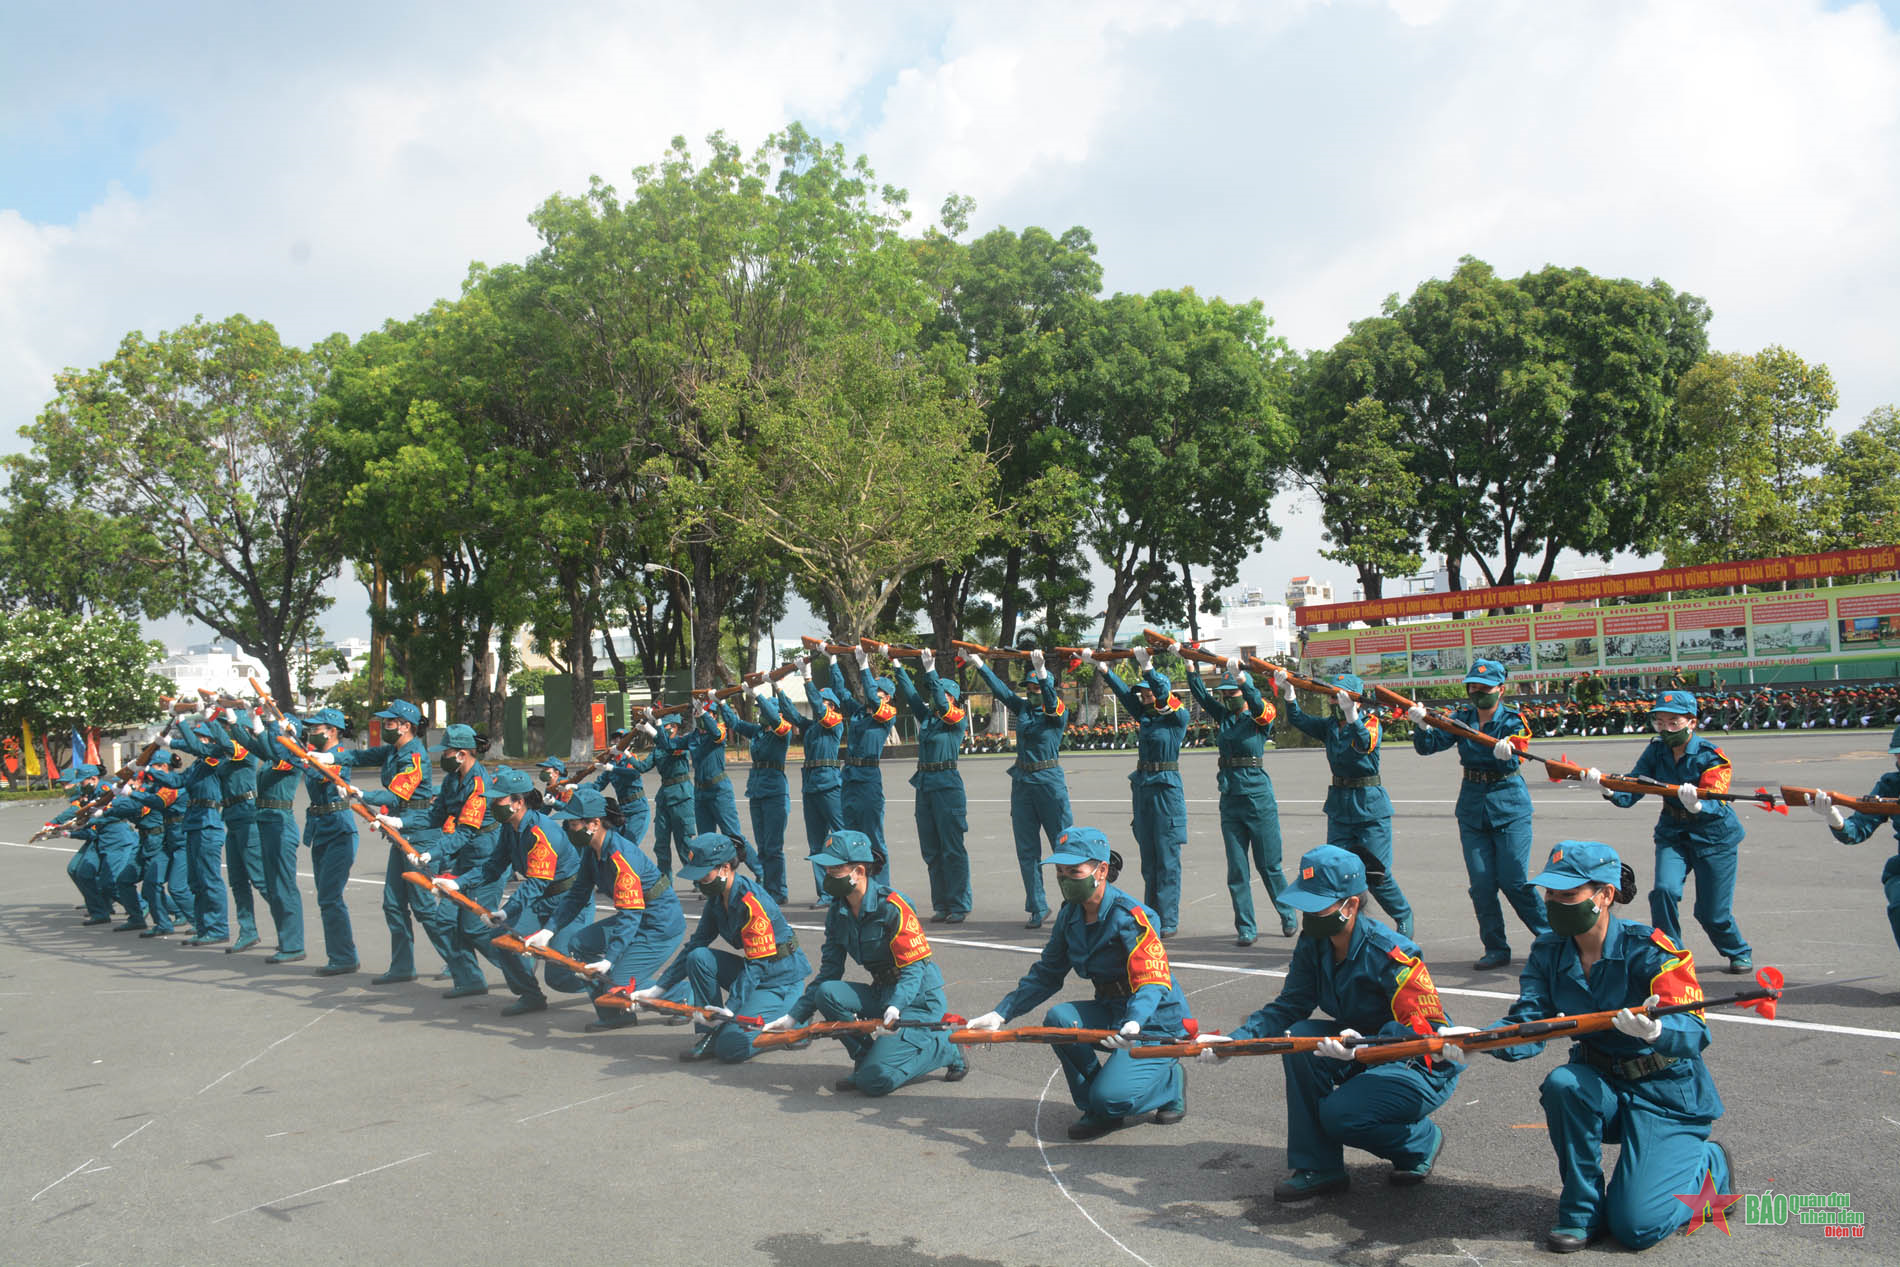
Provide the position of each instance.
(168, 1105)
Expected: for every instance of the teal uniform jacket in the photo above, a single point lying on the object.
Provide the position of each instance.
(867, 726)
(469, 837)
(770, 738)
(539, 853)
(200, 782)
(1382, 988)
(751, 922)
(887, 939)
(277, 776)
(822, 740)
(1352, 752)
(707, 744)
(1120, 953)
(1859, 827)
(1483, 804)
(329, 816)
(644, 903)
(1701, 765)
(941, 725)
(673, 757)
(1158, 738)
(408, 783)
(1637, 961)
(238, 773)
(1240, 735)
(1041, 717)
(623, 776)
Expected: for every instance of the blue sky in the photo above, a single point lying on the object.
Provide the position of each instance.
(328, 167)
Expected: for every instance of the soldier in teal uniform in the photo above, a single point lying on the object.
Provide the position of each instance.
(1160, 820)
(277, 778)
(536, 850)
(1104, 936)
(1249, 814)
(81, 786)
(1641, 1084)
(555, 788)
(768, 795)
(112, 834)
(167, 891)
(1851, 831)
(869, 720)
(243, 857)
(875, 926)
(1369, 982)
(623, 776)
(673, 810)
(402, 803)
(943, 816)
(1494, 809)
(626, 949)
(760, 980)
(1038, 794)
(203, 793)
(466, 839)
(820, 778)
(1693, 836)
(1358, 811)
(330, 827)
(714, 807)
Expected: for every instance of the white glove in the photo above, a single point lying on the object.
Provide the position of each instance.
(600, 967)
(650, 730)
(646, 992)
(1284, 685)
(1036, 660)
(1085, 654)
(776, 1024)
(1646, 1028)
(1823, 804)
(863, 658)
(884, 649)
(257, 722)
(388, 822)
(927, 660)
(890, 1019)
(1451, 1050)
(1208, 1055)
(1502, 750)
(1416, 714)
(1348, 707)
(322, 758)
(494, 919)
(1592, 778)
(353, 792)
(1685, 793)
(540, 940)
(989, 1021)
(1142, 658)
(447, 884)
(804, 667)
(424, 858)
(1123, 1038)
(831, 661)
(713, 1012)
(976, 661)
(1333, 1049)
(1231, 664)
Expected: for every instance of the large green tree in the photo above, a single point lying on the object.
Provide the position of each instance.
(1861, 489)
(205, 437)
(71, 558)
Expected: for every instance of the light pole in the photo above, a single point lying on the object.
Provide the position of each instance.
(692, 650)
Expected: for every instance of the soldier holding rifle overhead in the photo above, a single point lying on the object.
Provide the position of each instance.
(1038, 794)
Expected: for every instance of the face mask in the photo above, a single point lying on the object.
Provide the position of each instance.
(1324, 926)
(839, 885)
(1572, 919)
(711, 889)
(389, 734)
(578, 835)
(1676, 738)
(449, 764)
(1076, 891)
(1235, 704)
(1484, 699)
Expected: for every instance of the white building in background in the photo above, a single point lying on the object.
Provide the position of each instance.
(1248, 624)
(209, 666)
(1301, 590)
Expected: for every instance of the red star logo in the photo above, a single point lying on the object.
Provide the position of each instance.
(1709, 1205)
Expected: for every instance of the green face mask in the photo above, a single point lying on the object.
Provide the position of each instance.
(838, 885)
(1572, 919)
(1235, 703)
(389, 734)
(1677, 738)
(711, 889)
(577, 836)
(1484, 699)
(449, 765)
(1077, 891)
(1324, 926)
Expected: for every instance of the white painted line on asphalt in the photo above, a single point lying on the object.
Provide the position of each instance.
(565, 1107)
(260, 1055)
(62, 1179)
(135, 1131)
(1814, 1027)
(320, 1187)
(1036, 1130)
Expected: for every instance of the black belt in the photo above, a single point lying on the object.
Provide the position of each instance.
(886, 974)
(195, 803)
(819, 764)
(274, 803)
(1631, 1070)
(1241, 763)
(861, 763)
(1370, 780)
(1488, 776)
(229, 801)
(1157, 767)
(710, 783)
(1033, 767)
(1111, 987)
(935, 767)
(676, 780)
(558, 887)
(330, 807)
(769, 765)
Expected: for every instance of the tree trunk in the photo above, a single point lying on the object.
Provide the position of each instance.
(580, 658)
(1012, 579)
(1187, 588)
